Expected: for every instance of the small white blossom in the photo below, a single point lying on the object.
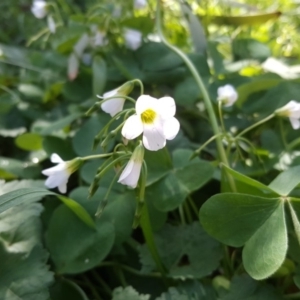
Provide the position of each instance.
(131, 174)
(116, 103)
(39, 9)
(140, 4)
(227, 94)
(51, 24)
(155, 119)
(133, 38)
(58, 176)
(73, 66)
(292, 111)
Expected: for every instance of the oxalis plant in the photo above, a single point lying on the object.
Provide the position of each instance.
(138, 226)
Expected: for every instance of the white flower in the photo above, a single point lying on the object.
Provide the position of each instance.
(73, 66)
(139, 4)
(292, 111)
(39, 9)
(227, 94)
(81, 44)
(51, 24)
(133, 38)
(116, 103)
(58, 176)
(131, 174)
(155, 119)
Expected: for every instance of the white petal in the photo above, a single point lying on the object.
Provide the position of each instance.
(73, 66)
(54, 170)
(56, 179)
(145, 102)
(51, 24)
(55, 158)
(63, 187)
(294, 109)
(153, 138)
(295, 123)
(133, 127)
(167, 107)
(81, 44)
(113, 106)
(171, 128)
(131, 174)
(228, 94)
(39, 9)
(139, 4)
(133, 38)
(110, 93)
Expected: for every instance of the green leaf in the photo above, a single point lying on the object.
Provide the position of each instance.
(27, 195)
(84, 137)
(266, 249)
(23, 270)
(63, 147)
(260, 188)
(77, 248)
(245, 20)
(196, 29)
(169, 192)
(24, 195)
(239, 216)
(176, 242)
(78, 210)
(99, 75)
(286, 181)
(244, 287)
(254, 86)
(29, 141)
(128, 293)
(60, 124)
(141, 23)
(10, 186)
(119, 210)
(244, 48)
(66, 289)
(189, 290)
(12, 168)
(24, 279)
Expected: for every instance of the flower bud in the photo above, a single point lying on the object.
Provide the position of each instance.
(131, 174)
(227, 95)
(116, 102)
(292, 111)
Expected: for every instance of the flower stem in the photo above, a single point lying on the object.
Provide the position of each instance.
(221, 116)
(139, 82)
(197, 152)
(99, 156)
(206, 99)
(256, 124)
(198, 79)
(149, 238)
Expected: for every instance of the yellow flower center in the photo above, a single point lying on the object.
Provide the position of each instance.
(148, 116)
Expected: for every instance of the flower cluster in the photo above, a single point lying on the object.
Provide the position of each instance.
(153, 119)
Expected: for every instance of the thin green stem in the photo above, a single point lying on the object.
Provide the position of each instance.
(187, 211)
(114, 97)
(198, 151)
(181, 213)
(99, 156)
(139, 82)
(149, 238)
(256, 124)
(198, 79)
(293, 144)
(193, 206)
(221, 116)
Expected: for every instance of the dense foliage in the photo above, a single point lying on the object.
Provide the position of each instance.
(212, 215)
